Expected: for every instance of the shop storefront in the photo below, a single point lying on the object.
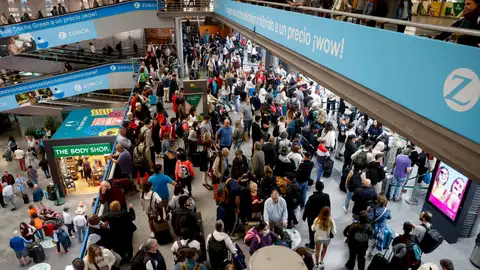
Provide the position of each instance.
(78, 152)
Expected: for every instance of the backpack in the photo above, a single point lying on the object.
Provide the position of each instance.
(239, 89)
(276, 131)
(355, 181)
(360, 237)
(361, 160)
(179, 130)
(183, 171)
(293, 192)
(291, 128)
(222, 192)
(431, 240)
(292, 81)
(183, 266)
(217, 251)
(412, 256)
(182, 250)
(250, 235)
(138, 261)
(140, 161)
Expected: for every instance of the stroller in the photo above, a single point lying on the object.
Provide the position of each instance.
(8, 154)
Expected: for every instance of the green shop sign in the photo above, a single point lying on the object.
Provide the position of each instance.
(82, 150)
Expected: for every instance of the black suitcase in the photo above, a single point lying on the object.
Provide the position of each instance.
(379, 262)
(29, 184)
(343, 179)
(197, 159)
(26, 200)
(162, 232)
(36, 253)
(328, 168)
(202, 257)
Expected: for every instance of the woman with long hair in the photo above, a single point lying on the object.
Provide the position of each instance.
(98, 258)
(324, 228)
(151, 204)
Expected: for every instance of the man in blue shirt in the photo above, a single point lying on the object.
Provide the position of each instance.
(17, 243)
(224, 134)
(160, 184)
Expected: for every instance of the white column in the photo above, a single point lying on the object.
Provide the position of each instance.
(179, 43)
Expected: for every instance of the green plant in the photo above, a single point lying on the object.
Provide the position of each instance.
(31, 131)
(51, 124)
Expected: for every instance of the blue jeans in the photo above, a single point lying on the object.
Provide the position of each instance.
(81, 233)
(247, 126)
(226, 101)
(320, 170)
(303, 191)
(236, 102)
(39, 234)
(348, 199)
(397, 185)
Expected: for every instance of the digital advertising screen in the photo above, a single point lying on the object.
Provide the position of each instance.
(448, 190)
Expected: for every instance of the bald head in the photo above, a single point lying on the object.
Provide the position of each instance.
(226, 123)
(119, 147)
(366, 182)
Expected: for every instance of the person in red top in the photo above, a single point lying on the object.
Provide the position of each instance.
(175, 105)
(219, 81)
(110, 193)
(184, 171)
(323, 156)
(133, 100)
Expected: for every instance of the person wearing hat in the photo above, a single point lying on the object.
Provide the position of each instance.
(17, 243)
(80, 224)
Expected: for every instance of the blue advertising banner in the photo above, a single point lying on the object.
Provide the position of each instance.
(81, 16)
(63, 86)
(89, 123)
(435, 79)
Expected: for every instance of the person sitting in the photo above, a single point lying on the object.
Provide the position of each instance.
(191, 262)
(407, 253)
(263, 237)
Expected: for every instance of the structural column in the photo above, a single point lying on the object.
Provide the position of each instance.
(179, 43)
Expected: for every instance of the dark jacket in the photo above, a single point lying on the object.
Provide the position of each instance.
(105, 240)
(283, 166)
(266, 186)
(270, 155)
(315, 204)
(468, 21)
(239, 167)
(350, 149)
(120, 222)
(265, 240)
(375, 172)
(204, 161)
(363, 197)
(184, 218)
(304, 171)
(10, 180)
(257, 134)
(159, 263)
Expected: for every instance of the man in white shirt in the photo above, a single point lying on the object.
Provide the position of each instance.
(122, 139)
(275, 210)
(80, 224)
(9, 196)
(282, 72)
(179, 247)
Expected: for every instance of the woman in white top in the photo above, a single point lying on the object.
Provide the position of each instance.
(151, 204)
(324, 228)
(98, 258)
(328, 133)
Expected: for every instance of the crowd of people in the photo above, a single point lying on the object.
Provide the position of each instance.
(285, 117)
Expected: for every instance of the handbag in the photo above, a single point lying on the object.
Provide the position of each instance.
(245, 137)
(170, 155)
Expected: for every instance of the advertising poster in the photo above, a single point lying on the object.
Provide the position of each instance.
(449, 188)
(88, 123)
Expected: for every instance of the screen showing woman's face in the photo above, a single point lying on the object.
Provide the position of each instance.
(457, 186)
(443, 176)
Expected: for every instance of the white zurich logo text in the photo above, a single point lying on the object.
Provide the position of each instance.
(461, 90)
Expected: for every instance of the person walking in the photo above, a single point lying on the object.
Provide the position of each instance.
(324, 228)
(160, 183)
(32, 175)
(61, 238)
(184, 171)
(17, 243)
(80, 224)
(358, 235)
(44, 165)
(30, 158)
(38, 197)
(303, 176)
(258, 161)
(21, 183)
(218, 244)
(322, 155)
(316, 202)
(20, 156)
(9, 195)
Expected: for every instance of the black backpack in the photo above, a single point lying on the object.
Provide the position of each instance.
(239, 89)
(217, 251)
(355, 181)
(276, 131)
(182, 250)
(293, 193)
(360, 161)
(138, 261)
(431, 240)
(139, 160)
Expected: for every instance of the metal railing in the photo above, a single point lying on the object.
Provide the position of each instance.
(318, 11)
(185, 6)
(413, 199)
(99, 208)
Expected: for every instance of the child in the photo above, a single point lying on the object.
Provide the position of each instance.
(238, 134)
(68, 220)
(61, 238)
(38, 224)
(32, 210)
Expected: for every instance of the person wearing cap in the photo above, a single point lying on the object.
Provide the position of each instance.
(80, 224)
(17, 243)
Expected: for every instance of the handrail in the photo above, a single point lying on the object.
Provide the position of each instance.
(99, 208)
(378, 19)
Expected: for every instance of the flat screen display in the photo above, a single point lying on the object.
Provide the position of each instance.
(449, 188)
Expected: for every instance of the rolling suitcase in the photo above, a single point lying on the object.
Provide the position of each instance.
(162, 232)
(202, 257)
(197, 159)
(26, 200)
(328, 168)
(36, 253)
(386, 184)
(379, 262)
(387, 237)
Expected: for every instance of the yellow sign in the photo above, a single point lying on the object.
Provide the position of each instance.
(96, 112)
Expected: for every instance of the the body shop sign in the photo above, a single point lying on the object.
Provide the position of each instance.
(82, 150)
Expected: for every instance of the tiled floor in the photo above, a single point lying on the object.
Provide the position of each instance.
(337, 252)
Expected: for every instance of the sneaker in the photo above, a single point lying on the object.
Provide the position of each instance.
(73, 236)
(13, 209)
(321, 265)
(345, 209)
(58, 252)
(66, 252)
